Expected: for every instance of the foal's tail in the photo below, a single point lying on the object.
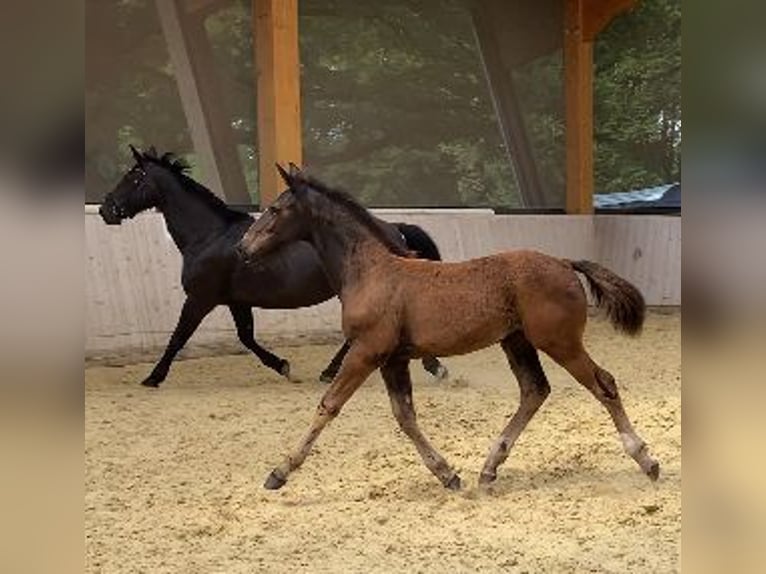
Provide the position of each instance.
(419, 241)
(622, 301)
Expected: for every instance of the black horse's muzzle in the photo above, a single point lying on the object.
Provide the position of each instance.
(109, 214)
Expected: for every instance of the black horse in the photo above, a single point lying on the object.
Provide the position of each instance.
(207, 232)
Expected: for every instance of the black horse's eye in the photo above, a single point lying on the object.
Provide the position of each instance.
(137, 176)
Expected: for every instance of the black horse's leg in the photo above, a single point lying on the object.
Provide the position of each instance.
(332, 369)
(243, 318)
(191, 316)
(433, 366)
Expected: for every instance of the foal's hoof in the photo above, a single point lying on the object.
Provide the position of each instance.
(653, 472)
(454, 483)
(151, 382)
(326, 377)
(487, 478)
(284, 370)
(274, 481)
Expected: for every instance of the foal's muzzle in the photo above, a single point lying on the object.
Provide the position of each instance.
(242, 252)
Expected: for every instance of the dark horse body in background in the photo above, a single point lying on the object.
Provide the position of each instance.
(207, 231)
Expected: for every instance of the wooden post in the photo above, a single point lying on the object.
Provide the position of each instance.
(275, 41)
(578, 80)
(583, 20)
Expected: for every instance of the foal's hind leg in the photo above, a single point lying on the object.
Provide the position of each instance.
(396, 374)
(601, 383)
(243, 319)
(533, 390)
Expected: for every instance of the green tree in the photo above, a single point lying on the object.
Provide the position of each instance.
(637, 97)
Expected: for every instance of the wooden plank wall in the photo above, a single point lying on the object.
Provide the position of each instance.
(646, 250)
(133, 292)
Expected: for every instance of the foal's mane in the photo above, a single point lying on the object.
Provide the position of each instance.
(180, 168)
(356, 210)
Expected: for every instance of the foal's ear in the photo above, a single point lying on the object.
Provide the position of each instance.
(137, 156)
(285, 176)
(295, 171)
(299, 181)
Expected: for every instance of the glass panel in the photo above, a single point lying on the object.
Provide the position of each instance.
(132, 94)
(637, 97)
(540, 88)
(396, 107)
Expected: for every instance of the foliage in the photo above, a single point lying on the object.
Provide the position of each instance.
(637, 96)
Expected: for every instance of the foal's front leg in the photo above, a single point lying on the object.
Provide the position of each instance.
(357, 366)
(396, 374)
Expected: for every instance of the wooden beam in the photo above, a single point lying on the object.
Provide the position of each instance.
(203, 6)
(199, 88)
(497, 68)
(524, 30)
(187, 89)
(275, 33)
(578, 80)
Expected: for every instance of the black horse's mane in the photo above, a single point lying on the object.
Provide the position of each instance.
(180, 168)
(356, 210)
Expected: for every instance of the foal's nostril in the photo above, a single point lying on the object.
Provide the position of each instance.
(242, 253)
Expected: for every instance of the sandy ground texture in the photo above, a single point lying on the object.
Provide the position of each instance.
(173, 476)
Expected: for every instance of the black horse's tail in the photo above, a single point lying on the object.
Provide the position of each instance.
(419, 241)
(622, 301)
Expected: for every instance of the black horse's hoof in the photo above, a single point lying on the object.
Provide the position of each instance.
(441, 374)
(454, 483)
(274, 481)
(151, 382)
(326, 377)
(284, 370)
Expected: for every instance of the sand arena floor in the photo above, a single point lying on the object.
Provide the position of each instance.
(173, 477)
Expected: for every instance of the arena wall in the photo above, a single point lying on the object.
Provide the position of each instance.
(134, 296)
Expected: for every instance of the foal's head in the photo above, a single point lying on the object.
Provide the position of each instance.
(139, 188)
(285, 220)
(309, 206)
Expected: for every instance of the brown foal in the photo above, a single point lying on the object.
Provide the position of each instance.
(396, 308)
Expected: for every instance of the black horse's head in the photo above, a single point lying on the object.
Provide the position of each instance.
(135, 192)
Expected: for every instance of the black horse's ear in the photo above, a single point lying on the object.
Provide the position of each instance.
(137, 156)
(285, 176)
